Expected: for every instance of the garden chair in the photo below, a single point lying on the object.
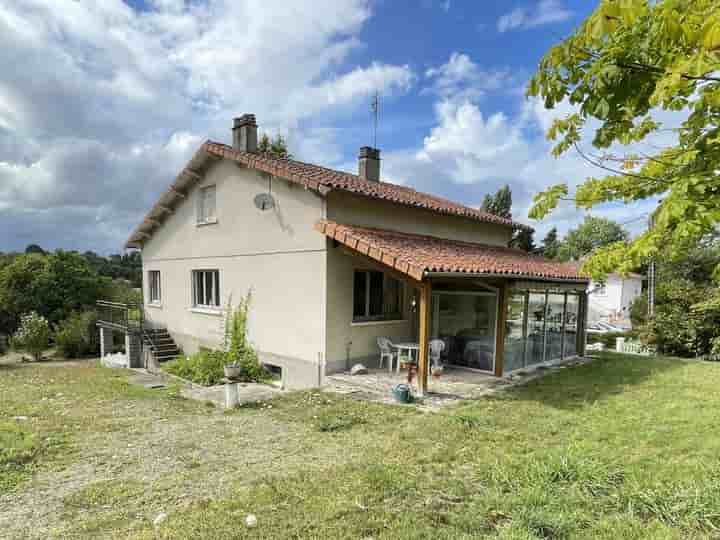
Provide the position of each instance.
(437, 346)
(387, 350)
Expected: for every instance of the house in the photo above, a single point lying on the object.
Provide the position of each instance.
(610, 302)
(336, 260)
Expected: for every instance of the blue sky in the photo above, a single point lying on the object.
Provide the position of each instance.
(101, 104)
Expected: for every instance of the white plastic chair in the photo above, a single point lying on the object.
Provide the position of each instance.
(386, 351)
(437, 346)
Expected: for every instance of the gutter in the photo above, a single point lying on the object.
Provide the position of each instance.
(507, 276)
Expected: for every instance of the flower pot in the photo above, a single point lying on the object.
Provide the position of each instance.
(232, 371)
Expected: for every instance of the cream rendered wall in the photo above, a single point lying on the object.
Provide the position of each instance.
(363, 211)
(349, 342)
(620, 293)
(277, 253)
(631, 289)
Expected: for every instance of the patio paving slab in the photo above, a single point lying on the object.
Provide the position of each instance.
(454, 386)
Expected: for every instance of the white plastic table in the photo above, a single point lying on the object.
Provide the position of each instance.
(409, 348)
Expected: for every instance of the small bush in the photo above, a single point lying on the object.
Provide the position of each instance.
(238, 349)
(33, 335)
(204, 367)
(77, 335)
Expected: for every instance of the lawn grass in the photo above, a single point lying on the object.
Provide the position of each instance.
(46, 410)
(624, 447)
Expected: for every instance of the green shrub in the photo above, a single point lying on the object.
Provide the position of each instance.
(77, 335)
(33, 335)
(239, 350)
(204, 367)
(207, 366)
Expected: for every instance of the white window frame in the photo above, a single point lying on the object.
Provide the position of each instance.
(154, 288)
(214, 289)
(366, 318)
(204, 217)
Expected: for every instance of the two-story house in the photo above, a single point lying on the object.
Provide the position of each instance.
(335, 260)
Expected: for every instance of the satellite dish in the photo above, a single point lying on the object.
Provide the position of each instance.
(264, 201)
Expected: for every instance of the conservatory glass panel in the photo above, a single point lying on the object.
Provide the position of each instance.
(534, 351)
(571, 320)
(554, 326)
(515, 332)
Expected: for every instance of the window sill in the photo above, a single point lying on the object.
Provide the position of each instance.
(209, 222)
(215, 312)
(378, 323)
(156, 305)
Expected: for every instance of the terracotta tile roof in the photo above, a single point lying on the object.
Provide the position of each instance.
(414, 254)
(316, 177)
(311, 176)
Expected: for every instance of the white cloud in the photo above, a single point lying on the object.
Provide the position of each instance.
(470, 152)
(470, 146)
(100, 104)
(462, 79)
(524, 17)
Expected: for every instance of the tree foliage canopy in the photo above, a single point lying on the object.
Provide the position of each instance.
(551, 244)
(500, 203)
(627, 60)
(52, 285)
(591, 234)
(277, 146)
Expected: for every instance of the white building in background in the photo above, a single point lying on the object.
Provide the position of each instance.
(610, 302)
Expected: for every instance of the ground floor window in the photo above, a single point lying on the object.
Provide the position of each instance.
(541, 326)
(206, 288)
(376, 296)
(154, 290)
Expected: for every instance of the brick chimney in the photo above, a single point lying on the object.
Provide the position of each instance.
(245, 137)
(369, 164)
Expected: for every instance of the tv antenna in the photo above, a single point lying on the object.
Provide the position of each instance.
(375, 108)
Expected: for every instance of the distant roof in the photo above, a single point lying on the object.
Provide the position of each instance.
(415, 254)
(311, 176)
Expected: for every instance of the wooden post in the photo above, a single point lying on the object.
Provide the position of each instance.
(424, 337)
(581, 324)
(503, 297)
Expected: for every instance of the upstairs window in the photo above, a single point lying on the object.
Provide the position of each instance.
(376, 297)
(154, 290)
(206, 205)
(206, 288)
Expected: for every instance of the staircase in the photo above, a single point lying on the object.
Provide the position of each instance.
(161, 344)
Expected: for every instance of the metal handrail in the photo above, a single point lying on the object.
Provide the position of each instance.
(124, 316)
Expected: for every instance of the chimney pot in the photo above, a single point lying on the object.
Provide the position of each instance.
(245, 133)
(369, 164)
